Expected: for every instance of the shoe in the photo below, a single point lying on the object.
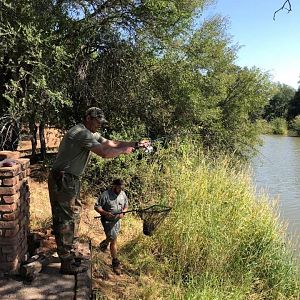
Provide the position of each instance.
(103, 245)
(79, 258)
(116, 266)
(71, 267)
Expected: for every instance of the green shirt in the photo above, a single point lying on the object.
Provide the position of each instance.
(74, 149)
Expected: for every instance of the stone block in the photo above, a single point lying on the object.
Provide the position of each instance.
(9, 154)
(10, 171)
(8, 207)
(9, 266)
(11, 215)
(9, 224)
(10, 181)
(12, 232)
(11, 199)
(8, 190)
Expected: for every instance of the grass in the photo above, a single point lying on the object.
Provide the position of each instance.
(220, 241)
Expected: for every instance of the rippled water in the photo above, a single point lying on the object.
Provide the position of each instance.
(276, 169)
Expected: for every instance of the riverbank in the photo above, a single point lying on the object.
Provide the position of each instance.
(276, 170)
(218, 242)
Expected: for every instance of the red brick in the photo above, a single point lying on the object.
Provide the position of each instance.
(8, 224)
(10, 181)
(11, 199)
(24, 163)
(10, 258)
(3, 258)
(12, 232)
(11, 216)
(5, 190)
(8, 207)
(6, 249)
(9, 154)
(22, 175)
(9, 266)
(11, 241)
(10, 171)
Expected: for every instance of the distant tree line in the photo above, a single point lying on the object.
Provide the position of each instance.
(156, 67)
(283, 110)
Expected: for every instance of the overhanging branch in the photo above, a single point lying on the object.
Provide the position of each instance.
(286, 5)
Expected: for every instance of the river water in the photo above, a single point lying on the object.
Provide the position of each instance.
(276, 170)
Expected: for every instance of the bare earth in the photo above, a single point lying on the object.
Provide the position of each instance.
(52, 136)
(105, 282)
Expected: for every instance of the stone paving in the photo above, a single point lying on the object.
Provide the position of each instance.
(50, 284)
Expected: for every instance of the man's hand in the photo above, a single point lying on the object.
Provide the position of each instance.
(128, 149)
(120, 216)
(109, 215)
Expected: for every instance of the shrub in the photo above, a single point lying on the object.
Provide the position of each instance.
(279, 126)
(295, 125)
(218, 242)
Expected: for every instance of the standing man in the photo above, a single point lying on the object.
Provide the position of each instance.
(64, 181)
(111, 205)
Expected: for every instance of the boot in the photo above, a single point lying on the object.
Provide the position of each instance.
(70, 267)
(116, 266)
(103, 245)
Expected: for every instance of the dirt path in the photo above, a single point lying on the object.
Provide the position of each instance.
(107, 284)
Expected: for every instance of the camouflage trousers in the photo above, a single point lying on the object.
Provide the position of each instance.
(64, 189)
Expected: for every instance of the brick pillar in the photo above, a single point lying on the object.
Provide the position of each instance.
(14, 212)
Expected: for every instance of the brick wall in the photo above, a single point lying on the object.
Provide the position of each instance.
(14, 212)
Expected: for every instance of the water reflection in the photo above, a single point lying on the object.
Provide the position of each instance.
(276, 170)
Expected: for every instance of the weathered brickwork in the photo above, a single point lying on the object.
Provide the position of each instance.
(14, 212)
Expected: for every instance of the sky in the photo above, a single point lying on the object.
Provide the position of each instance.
(273, 46)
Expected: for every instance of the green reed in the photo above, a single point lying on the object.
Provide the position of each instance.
(220, 241)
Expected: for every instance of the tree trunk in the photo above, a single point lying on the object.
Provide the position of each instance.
(42, 140)
(9, 134)
(33, 132)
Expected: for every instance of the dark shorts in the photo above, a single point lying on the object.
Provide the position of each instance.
(111, 229)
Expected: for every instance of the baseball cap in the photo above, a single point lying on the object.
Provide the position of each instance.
(96, 112)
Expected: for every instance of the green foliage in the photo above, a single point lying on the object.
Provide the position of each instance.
(279, 103)
(279, 126)
(219, 241)
(154, 64)
(264, 126)
(295, 125)
(294, 106)
(33, 65)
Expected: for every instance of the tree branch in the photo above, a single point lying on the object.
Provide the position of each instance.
(286, 5)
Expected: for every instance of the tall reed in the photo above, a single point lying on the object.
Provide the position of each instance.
(220, 241)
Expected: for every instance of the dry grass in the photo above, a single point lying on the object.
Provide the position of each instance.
(40, 209)
(109, 285)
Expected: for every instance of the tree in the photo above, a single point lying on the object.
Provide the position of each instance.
(144, 62)
(29, 56)
(294, 106)
(279, 103)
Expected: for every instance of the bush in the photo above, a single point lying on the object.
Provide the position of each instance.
(264, 127)
(279, 126)
(218, 242)
(295, 125)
